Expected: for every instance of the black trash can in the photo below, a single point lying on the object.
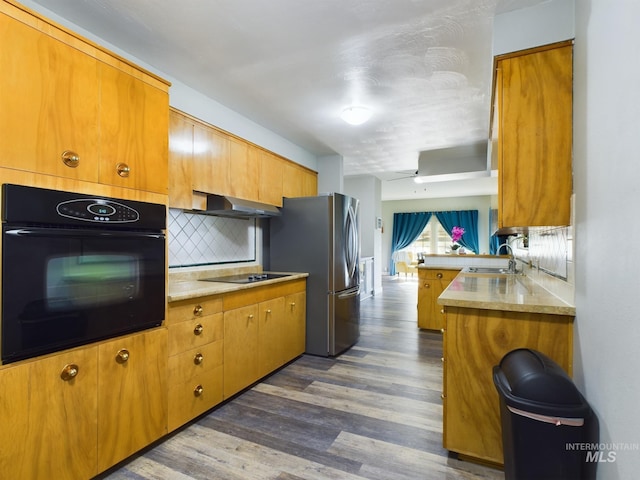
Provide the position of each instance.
(549, 431)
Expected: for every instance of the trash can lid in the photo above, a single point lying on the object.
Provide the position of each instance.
(531, 376)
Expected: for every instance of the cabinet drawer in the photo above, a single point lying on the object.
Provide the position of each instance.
(440, 274)
(187, 365)
(189, 310)
(189, 399)
(195, 333)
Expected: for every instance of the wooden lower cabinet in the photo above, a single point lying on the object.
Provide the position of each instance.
(431, 283)
(132, 394)
(241, 367)
(195, 368)
(264, 328)
(49, 425)
(74, 414)
(474, 342)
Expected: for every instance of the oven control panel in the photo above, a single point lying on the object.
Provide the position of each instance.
(31, 206)
(97, 210)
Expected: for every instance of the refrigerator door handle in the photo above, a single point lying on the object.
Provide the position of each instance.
(351, 242)
(353, 292)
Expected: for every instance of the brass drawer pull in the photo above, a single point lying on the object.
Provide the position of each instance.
(198, 358)
(198, 390)
(122, 356)
(198, 329)
(69, 372)
(197, 310)
(70, 159)
(123, 170)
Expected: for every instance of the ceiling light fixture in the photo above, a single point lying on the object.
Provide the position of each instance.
(356, 115)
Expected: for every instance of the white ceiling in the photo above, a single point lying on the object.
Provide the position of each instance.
(422, 66)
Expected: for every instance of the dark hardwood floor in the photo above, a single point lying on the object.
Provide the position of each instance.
(374, 412)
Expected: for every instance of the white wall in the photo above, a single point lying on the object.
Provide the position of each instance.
(482, 204)
(607, 186)
(548, 22)
(330, 176)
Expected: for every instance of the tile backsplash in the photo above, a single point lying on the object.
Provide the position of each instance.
(196, 239)
(550, 251)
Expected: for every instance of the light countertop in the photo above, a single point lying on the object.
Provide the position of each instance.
(186, 287)
(516, 293)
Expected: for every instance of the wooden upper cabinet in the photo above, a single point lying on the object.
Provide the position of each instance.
(243, 169)
(71, 109)
(271, 169)
(49, 95)
(534, 139)
(180, 160)
(134, 122)
(210, 160)
(298, 181)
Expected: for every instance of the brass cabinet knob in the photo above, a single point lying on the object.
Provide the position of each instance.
(442, 311)
(198, 329)
(442, 359)
(443, 396)
(198, 390)
(439, 275)
(197, 310)
(123, 170)
(198, 358)
(426, 285)
(69, 372)
(268, 311)
(70, 159)
(442, 330)
(293, 304)
(250, 317)
(122, 356)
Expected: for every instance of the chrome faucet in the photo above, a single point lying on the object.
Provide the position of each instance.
(512, 258)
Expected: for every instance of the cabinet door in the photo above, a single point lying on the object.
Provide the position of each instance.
(132, 395)
(295, 325)
(134, 125)
(48, 104)
(210, 161)
(475, 341)
(243, 169)
(270, 187)
(240, 349)
(535, 138)
(271, 333)
(180, 161)
(49, 424)
(298, 182)
(432, 282)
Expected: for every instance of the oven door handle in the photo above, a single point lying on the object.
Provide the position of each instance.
(68, 232)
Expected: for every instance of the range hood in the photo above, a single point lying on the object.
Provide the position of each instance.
(222, 206)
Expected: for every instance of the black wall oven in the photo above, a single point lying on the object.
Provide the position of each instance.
(77, 268)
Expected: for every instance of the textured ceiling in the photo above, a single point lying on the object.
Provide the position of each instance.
(423, 66)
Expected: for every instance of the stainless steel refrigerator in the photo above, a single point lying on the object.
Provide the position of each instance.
(320, 235)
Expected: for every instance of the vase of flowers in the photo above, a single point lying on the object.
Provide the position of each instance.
(456, 235)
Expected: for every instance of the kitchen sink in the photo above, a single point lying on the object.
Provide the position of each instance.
(490, 271)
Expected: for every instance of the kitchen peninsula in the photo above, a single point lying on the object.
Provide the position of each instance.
(486, 316)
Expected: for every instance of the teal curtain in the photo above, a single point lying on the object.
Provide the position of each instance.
(467, 219)
(406, 228)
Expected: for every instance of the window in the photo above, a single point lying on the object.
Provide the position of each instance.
(434, 239)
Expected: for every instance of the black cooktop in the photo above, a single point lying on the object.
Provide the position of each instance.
(245, 278)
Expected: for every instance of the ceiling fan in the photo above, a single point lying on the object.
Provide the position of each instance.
(406, 174)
